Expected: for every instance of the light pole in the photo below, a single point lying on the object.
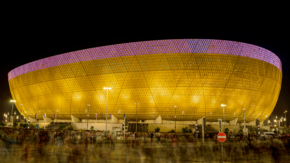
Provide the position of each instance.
(285, 119)
(136, 116)
(14, 115)
(175, 118)
(56, 116)
(17, 118)
(88, 116)
(244, 109)
(107, 88)
(12, 101)
(223, 105)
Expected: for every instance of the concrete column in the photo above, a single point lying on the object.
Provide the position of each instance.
(114, 119)
(47, 120)
(32, 119)
(74, 119)
(158, 119)
(234, 122)
(11, 119)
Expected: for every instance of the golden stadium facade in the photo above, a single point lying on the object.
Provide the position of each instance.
(196, 75)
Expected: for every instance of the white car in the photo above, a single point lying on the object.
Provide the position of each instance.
(268, 135)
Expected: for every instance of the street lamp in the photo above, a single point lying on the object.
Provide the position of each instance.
(285, 116)
(107, 88)
(12, 101)
(223, 105)
(136, 116)
(88, 116)
(175, 118)
(244, 109)
(17, 118)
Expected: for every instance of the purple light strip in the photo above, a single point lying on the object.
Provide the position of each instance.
(152, 47)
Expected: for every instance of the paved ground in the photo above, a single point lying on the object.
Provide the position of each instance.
(167, 152)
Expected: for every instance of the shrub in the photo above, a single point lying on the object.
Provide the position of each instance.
(189, 130)
(241, 131)
(185, 130)
(25, 125)
(70, 128)
(172, 131)
(92, 128)
(227, 130)
(2, 124)
(61, 127)
(15, 124)
(157, 129)
(32, 126)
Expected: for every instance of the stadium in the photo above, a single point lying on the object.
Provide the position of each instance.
(160, 81)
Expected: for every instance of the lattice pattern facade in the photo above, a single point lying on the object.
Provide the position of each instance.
(195, 75)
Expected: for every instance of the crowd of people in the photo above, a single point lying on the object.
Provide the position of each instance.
(32, 145)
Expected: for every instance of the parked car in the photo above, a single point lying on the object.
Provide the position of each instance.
(267, 135)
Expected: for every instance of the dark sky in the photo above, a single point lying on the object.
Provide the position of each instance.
(30, 40)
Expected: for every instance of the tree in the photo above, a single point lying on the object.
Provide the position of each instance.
(157, 129)
(172, 131)
(70, 128)
(61, 126)
(227, 130)
(2, 124)
(32, 126)
(185, 130)
(241, 131)
(15, 124)
(92, 128)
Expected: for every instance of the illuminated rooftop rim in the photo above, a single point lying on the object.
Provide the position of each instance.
(152, 47)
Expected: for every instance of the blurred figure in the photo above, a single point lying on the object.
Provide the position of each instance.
(133, 139)
(152, 136)
(277, 148)
(158, 136)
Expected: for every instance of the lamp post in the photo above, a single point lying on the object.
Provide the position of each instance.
(136, 116)
(223, 105)
(107, 88)
(56, 116)
(244, 109)
(285, 119)
(17, 118)
(12, 101)
(88, 116)
(175, 118)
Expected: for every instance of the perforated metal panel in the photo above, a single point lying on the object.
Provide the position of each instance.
(197, 76)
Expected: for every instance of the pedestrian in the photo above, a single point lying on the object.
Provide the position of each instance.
(152, 136)
(133, 139)
(158, 136)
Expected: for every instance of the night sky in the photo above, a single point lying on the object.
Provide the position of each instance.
(27, 41)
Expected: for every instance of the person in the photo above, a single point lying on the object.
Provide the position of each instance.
(152, 136)
(133, 139)
(158, 136)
